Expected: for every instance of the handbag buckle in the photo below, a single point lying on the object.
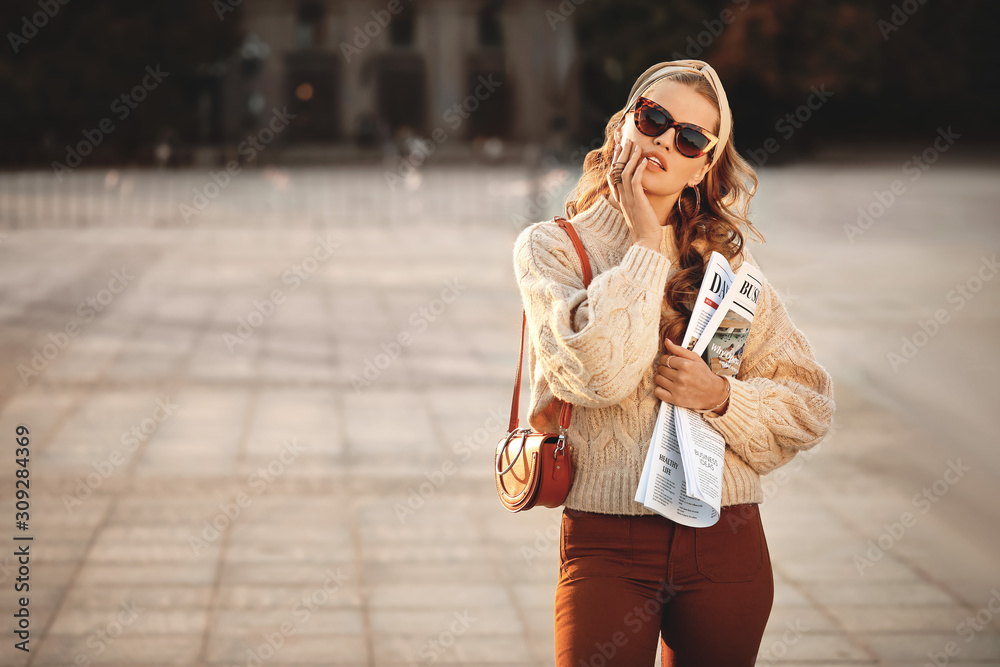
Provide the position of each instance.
(561, 443)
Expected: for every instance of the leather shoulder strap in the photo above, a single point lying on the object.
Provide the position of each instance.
(578, 244)
(566, 410)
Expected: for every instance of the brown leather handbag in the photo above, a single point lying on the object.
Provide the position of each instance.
(534, 468)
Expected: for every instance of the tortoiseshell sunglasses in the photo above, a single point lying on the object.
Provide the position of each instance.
(653, 120)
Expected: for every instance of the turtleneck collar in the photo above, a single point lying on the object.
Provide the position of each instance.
(608, 223)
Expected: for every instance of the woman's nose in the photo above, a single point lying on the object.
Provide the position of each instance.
(664, 141)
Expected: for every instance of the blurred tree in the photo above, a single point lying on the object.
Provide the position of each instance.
(896, 68)
(61, 73)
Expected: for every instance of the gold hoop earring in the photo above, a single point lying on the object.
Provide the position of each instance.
(697, 201)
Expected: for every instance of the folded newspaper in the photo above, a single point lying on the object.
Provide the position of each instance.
(682, 476)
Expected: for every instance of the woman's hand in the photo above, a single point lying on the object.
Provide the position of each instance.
(631, 198)
(688, 381)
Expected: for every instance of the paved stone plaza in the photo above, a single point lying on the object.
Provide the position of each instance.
(271, 424)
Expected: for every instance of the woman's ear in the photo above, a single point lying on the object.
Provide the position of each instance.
(701, 174)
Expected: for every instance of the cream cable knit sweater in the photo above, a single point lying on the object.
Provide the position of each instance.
(597, 348)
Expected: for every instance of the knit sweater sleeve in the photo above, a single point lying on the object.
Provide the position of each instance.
(594, 344)
(782, 400)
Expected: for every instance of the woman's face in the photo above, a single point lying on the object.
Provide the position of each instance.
(686, 106)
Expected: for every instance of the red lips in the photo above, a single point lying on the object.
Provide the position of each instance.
(656, 162)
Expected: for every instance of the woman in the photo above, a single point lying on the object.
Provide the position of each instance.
(665, 189)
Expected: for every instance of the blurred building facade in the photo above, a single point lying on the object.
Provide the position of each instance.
(364, 72)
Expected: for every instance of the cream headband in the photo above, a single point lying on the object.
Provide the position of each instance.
(661, 70)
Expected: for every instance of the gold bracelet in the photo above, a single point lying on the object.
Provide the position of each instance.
(729, 391)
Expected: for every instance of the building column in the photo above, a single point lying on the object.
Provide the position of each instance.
(446, 32)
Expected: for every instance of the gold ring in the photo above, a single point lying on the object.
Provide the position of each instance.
(668, 363)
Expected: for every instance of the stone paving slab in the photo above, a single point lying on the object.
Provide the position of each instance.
(388, 486)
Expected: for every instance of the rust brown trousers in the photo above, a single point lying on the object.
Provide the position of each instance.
(627, 581)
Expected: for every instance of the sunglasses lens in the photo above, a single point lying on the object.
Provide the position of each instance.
(652, 122)
(690, 142)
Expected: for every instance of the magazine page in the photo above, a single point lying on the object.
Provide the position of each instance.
(721, 346)
(729, 327)
(682, 474)
(707, 449)
(640, 492)
(718, 277)
(665, 490)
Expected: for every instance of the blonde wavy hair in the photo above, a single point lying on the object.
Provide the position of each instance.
(726, 192)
